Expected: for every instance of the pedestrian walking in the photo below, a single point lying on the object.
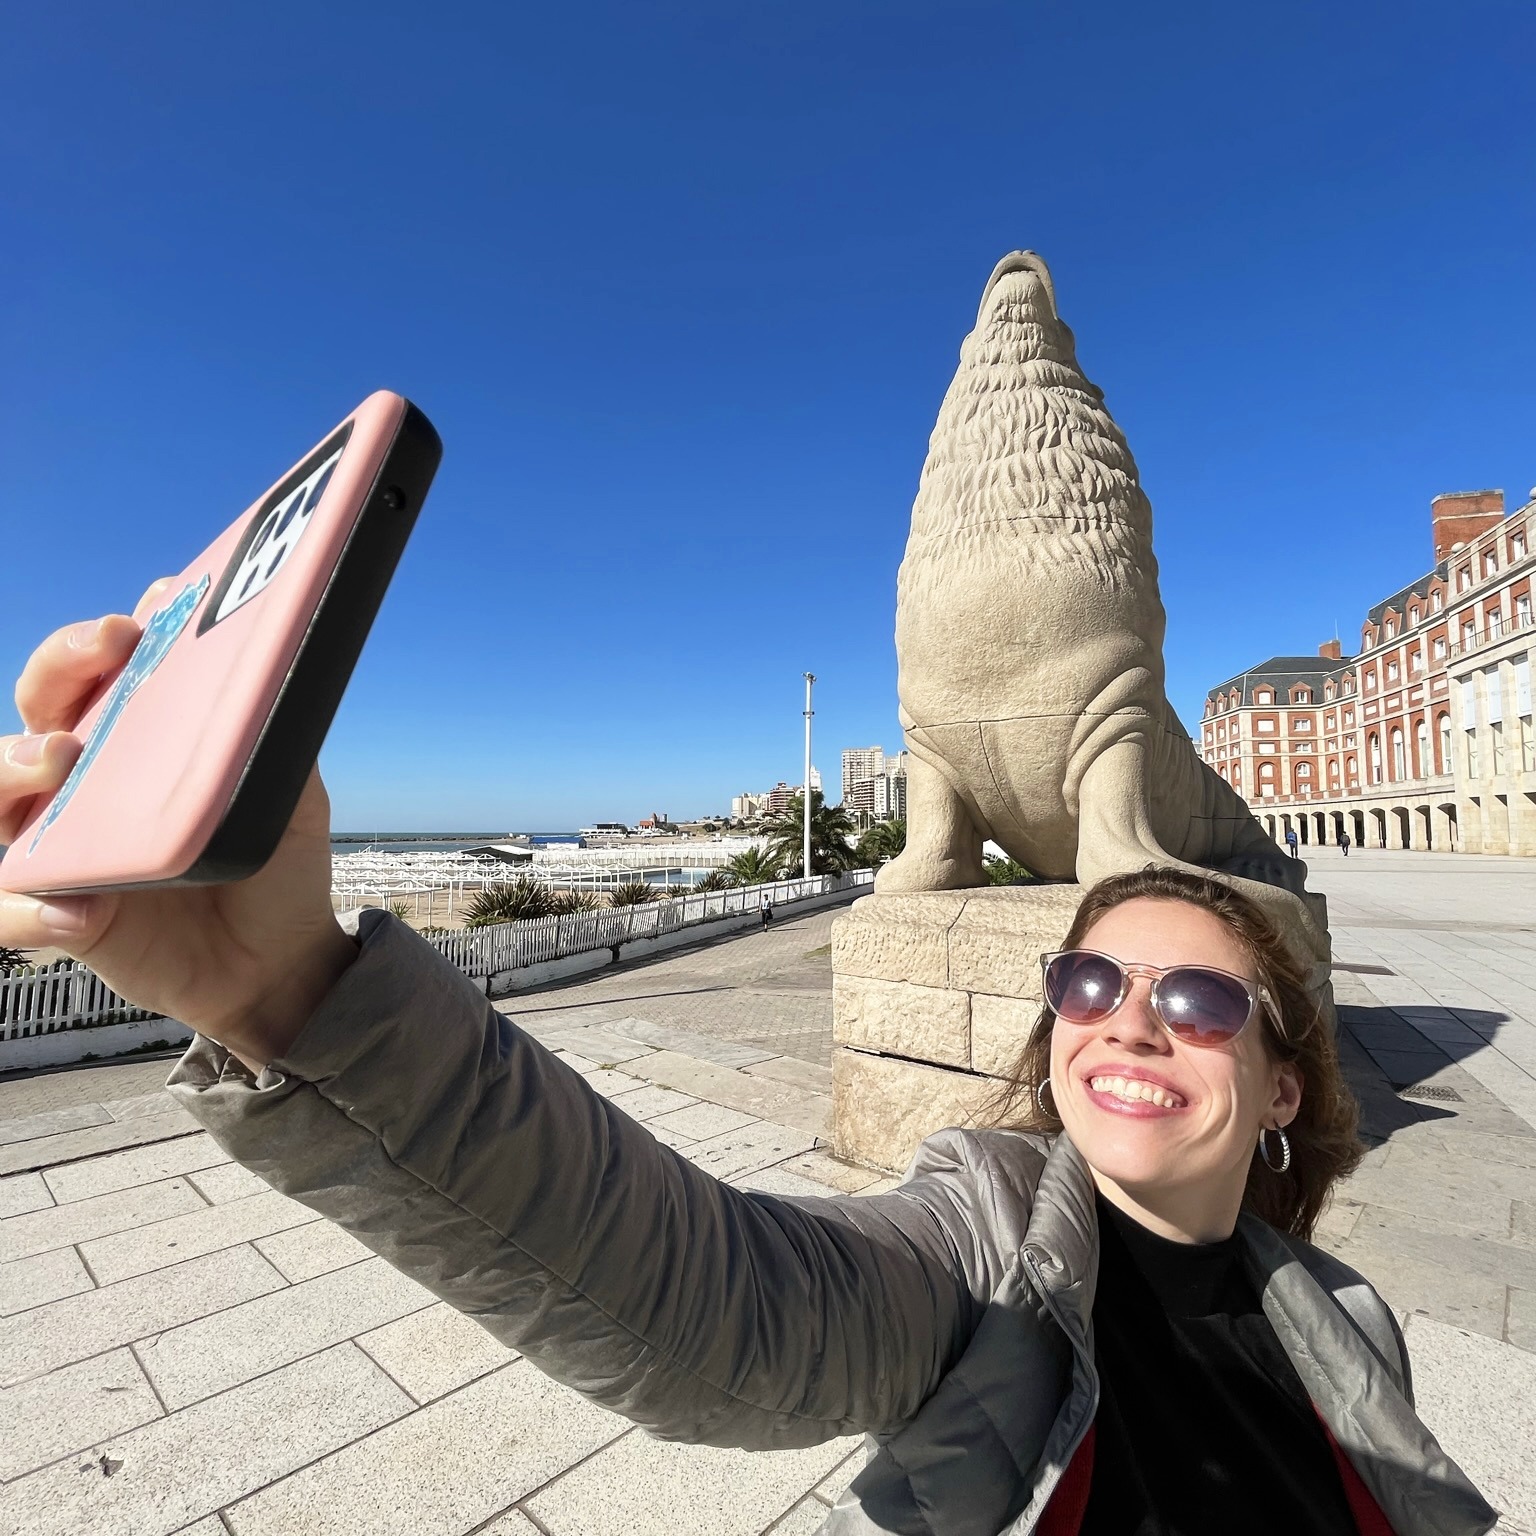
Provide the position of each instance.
(1098, 1310)
(766, 913)
(1291, 840)
(1344, 843)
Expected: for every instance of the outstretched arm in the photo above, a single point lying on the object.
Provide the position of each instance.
(411, 1112)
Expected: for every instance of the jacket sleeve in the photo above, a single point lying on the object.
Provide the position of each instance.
(427, 1124)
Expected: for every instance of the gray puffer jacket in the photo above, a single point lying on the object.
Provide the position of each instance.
(949, 1319)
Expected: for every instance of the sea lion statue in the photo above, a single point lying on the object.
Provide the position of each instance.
(1029, 642)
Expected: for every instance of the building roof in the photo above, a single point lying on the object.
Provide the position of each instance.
(1280, 672)
(1399, 600)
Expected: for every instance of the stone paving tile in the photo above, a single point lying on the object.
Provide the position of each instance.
(797, 1073)
(141, 1105)
(610, 1083)
(227, 1182)
(66, 1411)
(701, 1121)
(212, 1354)
(513, 1523)
(644, 1487)
(805, 1519)
(832, 1171)
(23, 1192)
(595, 1045)
(831, 1488)
(776, 1181)
(760, 1098)
(304, 1252)
(1468, 1193)
(435, 1351)
(42, 1278)
(1522, 1223)
(192, 1463)
(1479, 1398)
(28, 1094)
(651, 1100)
(60, 1225)
(746, 1150)
(688, 1042)
(157, 1244)
(111, 1137)
(77, 1327)
(440, 1471)
(143, 1165)
(50, 1122)
(1520, 1318)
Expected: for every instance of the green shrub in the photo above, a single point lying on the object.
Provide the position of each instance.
(633, 893)
(510, 902)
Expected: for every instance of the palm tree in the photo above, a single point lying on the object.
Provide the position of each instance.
(882, 843)
(633, 893)
(509, 902)
(714, 880)
(752, 866)
(831, 829)
(568, 903)
(11, 959)
(1005, 871)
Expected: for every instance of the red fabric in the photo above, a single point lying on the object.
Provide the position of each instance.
(1362, 1503)
(1068, 1503)
(1063, 1513)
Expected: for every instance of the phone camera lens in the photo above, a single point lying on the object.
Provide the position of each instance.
(394, 498)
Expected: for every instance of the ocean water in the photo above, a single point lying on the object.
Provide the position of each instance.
(448, 844)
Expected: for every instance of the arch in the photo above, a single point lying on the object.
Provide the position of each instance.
(1378, 819)
(1399, 833)
(1357, 820)
(1319, 828)
(1423, 828)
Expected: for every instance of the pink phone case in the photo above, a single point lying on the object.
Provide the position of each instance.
(195, 754)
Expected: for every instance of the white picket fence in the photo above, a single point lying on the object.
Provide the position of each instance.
(69, 995)
(63, 995)
(481, 952)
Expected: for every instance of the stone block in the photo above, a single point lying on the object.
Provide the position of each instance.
(179, 1468)
(42, 1278)
(652, 1100)
(884, 1107)
(301, 1253)
(902, 1019)
(49, 1122)
(898, 938)
(143, 1165)
(700, 1121)
(744, 1151)
(1000, 1026)
(212, 1354)
(227, 1182)
(996, 943)
(809, 1075)
(61, 1225)
(125, 1254)
(643, 1487)
(23, 1192)
(761, 1098)
(45, 1151)
(447, 1467)
(687, 1042)
(805, 1519)
(435, 1351)
(1479, 1398)
(77, 1327)
(838, 1177)
(64, 1411)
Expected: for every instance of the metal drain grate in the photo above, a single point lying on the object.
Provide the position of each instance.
(1438, 1095)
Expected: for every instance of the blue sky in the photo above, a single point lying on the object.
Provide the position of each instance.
(681, 285)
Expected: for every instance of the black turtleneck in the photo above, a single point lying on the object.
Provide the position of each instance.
(1203, 1424)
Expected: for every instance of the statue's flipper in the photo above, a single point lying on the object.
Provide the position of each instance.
(943, 851)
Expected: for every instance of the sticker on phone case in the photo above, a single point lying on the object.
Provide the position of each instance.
(276, 539)
(160, 634)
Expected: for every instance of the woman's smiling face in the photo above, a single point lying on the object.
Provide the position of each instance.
(1184, 1159)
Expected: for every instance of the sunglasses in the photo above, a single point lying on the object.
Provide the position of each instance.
(1195, 1003)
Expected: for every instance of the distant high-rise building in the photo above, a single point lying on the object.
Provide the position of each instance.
(860, 763)
(779, 797)
(890, 798)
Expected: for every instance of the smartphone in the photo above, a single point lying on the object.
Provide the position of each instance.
(195, 754)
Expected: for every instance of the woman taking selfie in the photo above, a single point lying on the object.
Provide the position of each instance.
(1103, 1316)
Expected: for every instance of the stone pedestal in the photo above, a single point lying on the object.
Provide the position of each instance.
(933, 997)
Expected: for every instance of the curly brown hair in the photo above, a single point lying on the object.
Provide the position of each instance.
(1325, 1141)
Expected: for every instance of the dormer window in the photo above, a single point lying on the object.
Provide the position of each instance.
(1301, 696)
(1391, 628)
(1435, 602)
(1413, 615)
(1264, 696)
(1517, 544)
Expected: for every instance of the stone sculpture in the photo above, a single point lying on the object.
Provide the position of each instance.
(1029, 639)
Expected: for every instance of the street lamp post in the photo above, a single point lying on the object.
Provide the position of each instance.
(810, 678)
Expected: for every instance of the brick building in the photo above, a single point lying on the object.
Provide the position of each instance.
(1423, 739)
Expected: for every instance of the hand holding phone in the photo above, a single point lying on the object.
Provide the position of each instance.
(169, 761)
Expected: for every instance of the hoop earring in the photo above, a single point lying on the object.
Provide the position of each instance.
(1285, 1150)
(1040, 1096)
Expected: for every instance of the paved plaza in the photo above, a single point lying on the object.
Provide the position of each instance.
(185, 1350)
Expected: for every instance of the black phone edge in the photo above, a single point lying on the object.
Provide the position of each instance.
(301, 717)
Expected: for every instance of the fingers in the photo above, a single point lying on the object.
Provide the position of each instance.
(71, 923)
(31, 766)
